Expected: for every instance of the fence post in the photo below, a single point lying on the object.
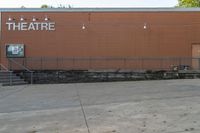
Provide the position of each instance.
(142, 61)
(9, 64)
(41, 67)
(125, 63)
(25, 62)
(73, 62)
(57, 59)
(31, 77)
(180, 61)
(10, 75)
(90, 63)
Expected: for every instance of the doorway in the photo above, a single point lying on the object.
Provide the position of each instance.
(196, 56)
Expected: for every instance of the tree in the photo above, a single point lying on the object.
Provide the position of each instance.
(188, 3)
(64, 6)
(44, 6)
(59, 6)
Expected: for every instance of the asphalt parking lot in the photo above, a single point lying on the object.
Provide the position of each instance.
(166, 106)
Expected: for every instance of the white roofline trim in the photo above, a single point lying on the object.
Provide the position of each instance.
(99, 9)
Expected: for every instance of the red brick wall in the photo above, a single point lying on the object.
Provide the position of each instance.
(111, 35)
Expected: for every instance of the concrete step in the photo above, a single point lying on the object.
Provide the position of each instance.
(5, 73)
(15, 83)
(13, 80)
(6, 76)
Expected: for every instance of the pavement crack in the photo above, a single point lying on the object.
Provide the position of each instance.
(82, 109)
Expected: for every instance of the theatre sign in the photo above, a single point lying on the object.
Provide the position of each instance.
(30, 26)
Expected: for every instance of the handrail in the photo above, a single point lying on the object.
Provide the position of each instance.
(4, 68)
(25, 68)
(83, 63)
(20, 65)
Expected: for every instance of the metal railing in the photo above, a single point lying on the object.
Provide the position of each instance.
(5, 69)
(135, 63)
(22, 67)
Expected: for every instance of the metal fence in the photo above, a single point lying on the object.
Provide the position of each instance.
(60, 63)
(15, 65)
(3, 68)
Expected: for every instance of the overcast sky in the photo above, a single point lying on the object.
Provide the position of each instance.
(89, 3)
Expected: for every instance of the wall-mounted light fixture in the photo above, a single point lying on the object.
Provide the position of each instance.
(10, 19)
(83, 27)
(46, 18)
(145, 26)
(34, 19)
(21, 19)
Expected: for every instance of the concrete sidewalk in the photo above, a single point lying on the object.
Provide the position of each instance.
(168, 106)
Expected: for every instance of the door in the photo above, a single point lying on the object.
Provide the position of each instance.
(196, 56)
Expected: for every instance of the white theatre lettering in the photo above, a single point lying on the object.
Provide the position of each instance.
(23, 26)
